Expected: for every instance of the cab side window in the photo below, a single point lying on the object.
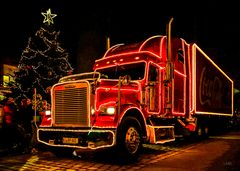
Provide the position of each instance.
(153, 73)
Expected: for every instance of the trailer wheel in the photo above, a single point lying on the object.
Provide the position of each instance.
(129, 141)
(202, 131)
(199, 131)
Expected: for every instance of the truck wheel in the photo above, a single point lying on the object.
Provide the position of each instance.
(206, 131)
(198, 133)
(202, 132)
(129, 142)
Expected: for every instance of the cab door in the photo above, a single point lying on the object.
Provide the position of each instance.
(153, 89)
(179, 84)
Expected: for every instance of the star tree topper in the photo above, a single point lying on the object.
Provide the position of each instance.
(48, 17)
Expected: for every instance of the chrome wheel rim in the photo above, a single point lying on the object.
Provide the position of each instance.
(132, 140)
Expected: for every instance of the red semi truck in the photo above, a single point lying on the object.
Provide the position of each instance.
(144, 93)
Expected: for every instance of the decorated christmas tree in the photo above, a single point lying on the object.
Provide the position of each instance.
(42, 63)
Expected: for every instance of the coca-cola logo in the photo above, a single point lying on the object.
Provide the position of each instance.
(210, 89)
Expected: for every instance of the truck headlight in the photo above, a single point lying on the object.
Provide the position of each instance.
(107, 110)
(110, 110)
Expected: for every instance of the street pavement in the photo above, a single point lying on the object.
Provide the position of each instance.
(219, 152)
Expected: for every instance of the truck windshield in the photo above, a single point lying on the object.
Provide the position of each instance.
(136, 71)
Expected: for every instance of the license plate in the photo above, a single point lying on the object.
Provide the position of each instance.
(67, 140)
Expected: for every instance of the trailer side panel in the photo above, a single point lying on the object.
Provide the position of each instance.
(212, 88)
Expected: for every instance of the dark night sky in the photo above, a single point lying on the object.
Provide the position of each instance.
(213, 25)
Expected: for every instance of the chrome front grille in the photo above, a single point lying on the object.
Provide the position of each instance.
(71, 105)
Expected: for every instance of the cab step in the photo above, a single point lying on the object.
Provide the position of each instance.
(160, 134)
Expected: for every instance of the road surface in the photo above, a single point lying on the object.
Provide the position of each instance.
(220, 152)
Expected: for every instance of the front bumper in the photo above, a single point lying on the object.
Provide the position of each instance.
(75, 138)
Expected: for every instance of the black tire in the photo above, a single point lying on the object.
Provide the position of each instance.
(206, 131)
(201, 132)
(129, 139)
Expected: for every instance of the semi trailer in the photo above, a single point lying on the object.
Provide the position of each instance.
(149, 92)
